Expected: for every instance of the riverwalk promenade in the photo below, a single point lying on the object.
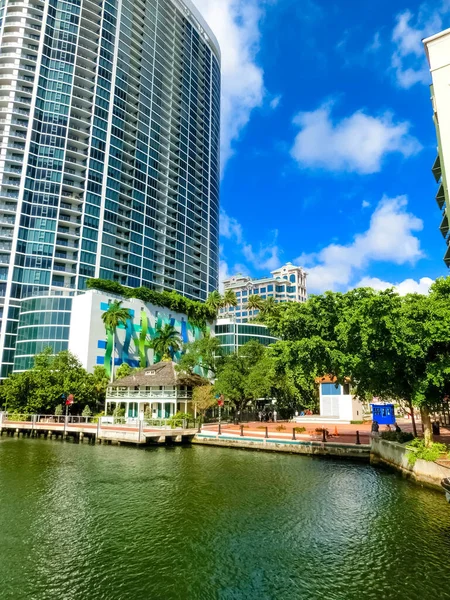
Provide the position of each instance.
(335, 432)
(85, 429)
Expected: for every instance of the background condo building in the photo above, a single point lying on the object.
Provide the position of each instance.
(286, 284)
(437, 48)
(109, 157)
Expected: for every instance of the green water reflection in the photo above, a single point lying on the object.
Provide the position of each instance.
(98, 522)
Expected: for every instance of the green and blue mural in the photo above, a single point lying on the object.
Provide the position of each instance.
(131, 341)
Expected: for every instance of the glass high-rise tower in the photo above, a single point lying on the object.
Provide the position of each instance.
(109, 152)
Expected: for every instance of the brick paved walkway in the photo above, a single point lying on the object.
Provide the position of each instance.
(337, 432)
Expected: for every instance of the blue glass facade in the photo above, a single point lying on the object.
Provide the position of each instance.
(111, 124)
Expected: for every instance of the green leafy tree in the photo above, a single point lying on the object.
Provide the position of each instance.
(123, 371)
(205, 353)
(166, 342)
(255, 303)
(269, 308)
(229, 299)
(203, 398)
(16, 390)
(100, 381)
(236, 379)
(52, 377)
(59, 410)
(215, 301)
(397, 348)
(113, 317)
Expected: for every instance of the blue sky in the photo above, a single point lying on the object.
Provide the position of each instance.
(328, 140)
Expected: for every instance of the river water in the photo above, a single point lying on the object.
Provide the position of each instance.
(102, 522)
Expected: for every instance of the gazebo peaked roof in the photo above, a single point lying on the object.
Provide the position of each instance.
(163, 373)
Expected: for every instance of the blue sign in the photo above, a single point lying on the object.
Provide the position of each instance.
(383, 414)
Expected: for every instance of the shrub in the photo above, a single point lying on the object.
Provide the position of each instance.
(59, 410)
(178, 418)
(429, 453)
(119, 411)
(86, 411)
(148, 413)
(197, 312)
(17, 417)
(321, 429)
(299, 429)
(97, 417)
(281, 428)
(356, 422)
(397, 436)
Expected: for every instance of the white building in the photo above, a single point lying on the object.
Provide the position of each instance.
(232, 334)
(337, 402)
(88, 339)
(437, 48)
(286, 284)
(109, 153)
(159, 390)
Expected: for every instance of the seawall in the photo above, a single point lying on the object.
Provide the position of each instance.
(395, 455)
(310, 448)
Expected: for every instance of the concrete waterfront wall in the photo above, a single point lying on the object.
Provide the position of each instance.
(347, 451)
(396, 455)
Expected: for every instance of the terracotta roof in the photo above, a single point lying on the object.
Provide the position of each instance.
(163, 373)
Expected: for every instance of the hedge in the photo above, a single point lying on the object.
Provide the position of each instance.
(198, 313)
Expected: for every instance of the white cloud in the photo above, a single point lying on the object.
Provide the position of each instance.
(224, 273)
(389, 238)
(365, 204)
(236, 26)
(376, 44)
(357, 143)
(275, 102)
(408, 286)
(408, 58)
(229, 227)
(266, 257)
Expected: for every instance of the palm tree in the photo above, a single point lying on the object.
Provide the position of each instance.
(113, 317)
(215, 301)
(166, 342)
(269, 307)
(255, 302)
(229, 299)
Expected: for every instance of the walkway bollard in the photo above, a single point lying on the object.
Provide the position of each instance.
(358, 441)
(324, 435)
(199, 426)
(267, 433)
(220, 428)
(242, 431)
(293, 434)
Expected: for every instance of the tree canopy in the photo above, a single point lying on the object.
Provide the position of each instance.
(205, 353)
(49, 382)
(166, 342)
(390, 346)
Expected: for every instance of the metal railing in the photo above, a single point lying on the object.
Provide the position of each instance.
(103, 421)
(285, 432)
(113, 393)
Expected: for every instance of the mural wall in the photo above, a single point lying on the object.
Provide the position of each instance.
(89, 340)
